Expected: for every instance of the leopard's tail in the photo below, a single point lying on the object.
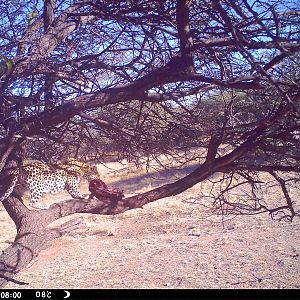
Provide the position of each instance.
(8, 180)
(11, 187)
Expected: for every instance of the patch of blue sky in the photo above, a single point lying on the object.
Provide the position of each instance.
(22, 87)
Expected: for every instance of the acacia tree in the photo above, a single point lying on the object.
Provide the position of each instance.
(143, 78)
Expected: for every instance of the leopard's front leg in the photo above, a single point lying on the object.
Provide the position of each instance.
(73, 189)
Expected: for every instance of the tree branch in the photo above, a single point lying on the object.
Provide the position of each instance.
(184, 33)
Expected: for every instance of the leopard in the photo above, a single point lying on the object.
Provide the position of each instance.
(42, 178)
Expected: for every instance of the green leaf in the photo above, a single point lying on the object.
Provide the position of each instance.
(32, 15)
(6, 65)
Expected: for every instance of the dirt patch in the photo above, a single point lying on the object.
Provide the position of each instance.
(171, 244)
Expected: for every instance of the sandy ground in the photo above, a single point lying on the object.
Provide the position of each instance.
(172, 243)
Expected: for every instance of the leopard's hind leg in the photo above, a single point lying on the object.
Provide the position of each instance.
(34, 200)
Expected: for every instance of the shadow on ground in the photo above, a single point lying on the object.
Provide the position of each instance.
(152, 179)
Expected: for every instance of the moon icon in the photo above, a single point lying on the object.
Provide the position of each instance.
(67, 294)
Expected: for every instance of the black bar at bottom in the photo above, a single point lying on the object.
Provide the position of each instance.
(146, 294)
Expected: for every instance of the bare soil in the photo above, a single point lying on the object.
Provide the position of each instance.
(171, 243)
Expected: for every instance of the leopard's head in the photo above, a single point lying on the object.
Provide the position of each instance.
(92, 173)
(82, 169)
